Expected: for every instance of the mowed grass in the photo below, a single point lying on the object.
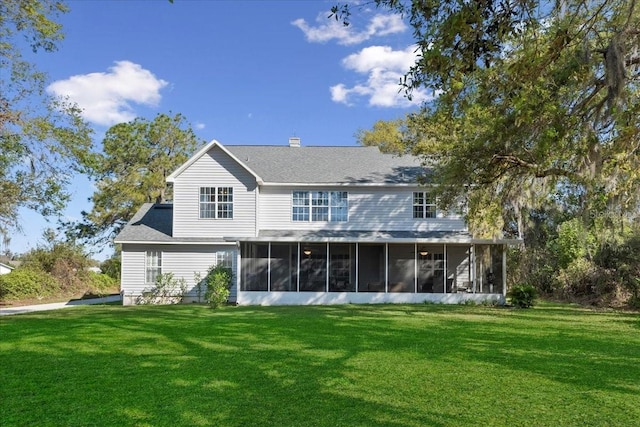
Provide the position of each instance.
(353, 365)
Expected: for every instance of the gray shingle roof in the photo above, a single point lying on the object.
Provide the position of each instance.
(325, 164)
(151, 223)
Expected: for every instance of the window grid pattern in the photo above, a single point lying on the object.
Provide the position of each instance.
(424, 205)
(301, 206)
(320, 206)
(216, 202)
(332, 206)
(207, 202)
(225, 202)
(225, 258)
(153, 262)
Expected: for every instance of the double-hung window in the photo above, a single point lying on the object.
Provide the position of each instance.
(153, 266)
(331, 206)
(216, 202)
(339, 206)
(300, 206)
(424, 205)
(319, 206)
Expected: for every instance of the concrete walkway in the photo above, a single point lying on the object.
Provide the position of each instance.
(57, 305)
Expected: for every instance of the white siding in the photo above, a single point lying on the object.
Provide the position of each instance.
(214, 169)
(370, 209)
(458, 264)
(181, 260)
(132, 280)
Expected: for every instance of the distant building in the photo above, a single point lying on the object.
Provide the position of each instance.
(5, 269)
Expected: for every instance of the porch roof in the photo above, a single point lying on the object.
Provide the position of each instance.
(353, 236)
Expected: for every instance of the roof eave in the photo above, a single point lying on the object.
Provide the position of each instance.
(343, 184)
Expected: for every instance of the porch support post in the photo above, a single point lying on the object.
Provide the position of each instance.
(298, 267)
(473, 268)
(238, 270)
(326, 286)
(386, 267)
(269, 268)
(415, 268)
(445, 273)
(357, 266)
(504, 270)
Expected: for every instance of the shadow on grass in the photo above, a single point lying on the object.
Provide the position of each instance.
(313, 366)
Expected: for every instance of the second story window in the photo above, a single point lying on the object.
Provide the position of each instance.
(216, 202)
(331, 206)
(424, 205)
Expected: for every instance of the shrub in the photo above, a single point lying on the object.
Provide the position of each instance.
(112, 267)
(218, 281)
(168, 290)
(101, 284)
(574, 241)
(27, 283)
(522, 296)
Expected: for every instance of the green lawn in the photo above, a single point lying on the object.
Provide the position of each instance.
(388, 365)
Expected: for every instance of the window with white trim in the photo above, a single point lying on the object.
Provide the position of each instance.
(153, 266)
(300, 206)
(216, 202)
(331, 206)
(424, 205)
(225, 258)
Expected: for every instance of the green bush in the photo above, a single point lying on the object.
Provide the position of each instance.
(24, 283)
(522, 296)
(168, 290)
(218, 282)
(101, 284)
(112, 267)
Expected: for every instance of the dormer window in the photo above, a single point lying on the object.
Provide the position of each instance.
(424, 205)
(216, 202)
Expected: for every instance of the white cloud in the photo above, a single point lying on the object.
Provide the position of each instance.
(384, 67)
(330, 29)
(200, 126)
(106, 97)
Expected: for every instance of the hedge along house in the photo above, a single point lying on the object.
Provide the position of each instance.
(310, 225)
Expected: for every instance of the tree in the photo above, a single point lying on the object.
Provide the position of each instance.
(132, 170)
(43, 140)
(538, 101)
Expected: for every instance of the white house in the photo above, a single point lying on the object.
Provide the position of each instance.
(5, 269)
(310, 225)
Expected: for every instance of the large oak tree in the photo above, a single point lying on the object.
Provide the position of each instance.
(538, 102)
(43, 141)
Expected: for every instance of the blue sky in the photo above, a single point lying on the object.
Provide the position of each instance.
(242, 72)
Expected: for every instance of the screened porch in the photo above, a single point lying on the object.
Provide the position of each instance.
(369, 267)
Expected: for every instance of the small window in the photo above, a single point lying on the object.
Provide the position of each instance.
(153, 266)
(424, 205)
(216, 202)
(225, 258)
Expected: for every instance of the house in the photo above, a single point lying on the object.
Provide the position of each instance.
(5, 269)
(310, 225)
